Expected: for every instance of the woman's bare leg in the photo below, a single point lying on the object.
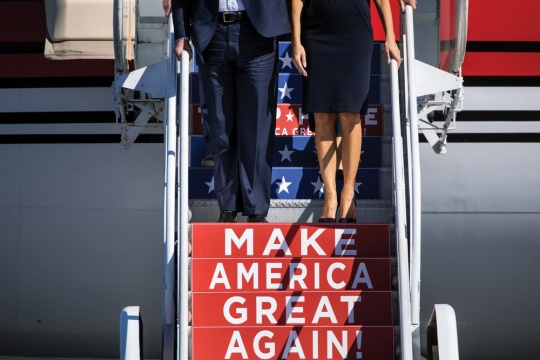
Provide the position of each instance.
(339, 165)
(351, 146)
(325, 141)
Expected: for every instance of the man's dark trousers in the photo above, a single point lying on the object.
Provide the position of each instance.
(239, 75)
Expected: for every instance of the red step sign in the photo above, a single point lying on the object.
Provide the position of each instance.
(290, 274)
(290, 120)
(291, 291)
(280, 342)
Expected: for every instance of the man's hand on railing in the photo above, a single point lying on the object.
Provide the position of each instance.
(181, 45)
(402, 3)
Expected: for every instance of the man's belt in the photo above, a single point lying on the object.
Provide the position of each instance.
(231, 16)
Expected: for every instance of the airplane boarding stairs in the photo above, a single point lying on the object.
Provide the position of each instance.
(292, 288)
(318, 291)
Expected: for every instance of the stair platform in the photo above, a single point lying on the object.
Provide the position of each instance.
(298, 211)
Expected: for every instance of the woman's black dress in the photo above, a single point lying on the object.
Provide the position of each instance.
(338, 40)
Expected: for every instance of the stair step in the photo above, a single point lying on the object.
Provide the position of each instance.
(294, 342)
(290, 89)
(298, 151)
(220, 240)
(297, 211)
(372, 274)
(366, 308)
(295, 183)
(291, 121)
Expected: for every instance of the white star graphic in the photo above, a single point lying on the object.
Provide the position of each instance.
(356, 187)
(319, 186)
(285, 91)
(283, 185)
(210, 185)
(290, 116)
(287, 60)
(286, 153)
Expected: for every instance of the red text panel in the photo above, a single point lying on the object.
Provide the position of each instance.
(290, 274)
(268, 241)
(294, 343)
(299, 308)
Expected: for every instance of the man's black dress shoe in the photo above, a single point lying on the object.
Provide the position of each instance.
(227, 217)
(257, 219)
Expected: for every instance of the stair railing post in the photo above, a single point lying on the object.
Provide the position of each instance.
(416, 174)
(401, 216)
(183, 214)
(169, 320)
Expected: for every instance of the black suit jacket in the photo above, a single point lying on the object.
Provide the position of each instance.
(197, 19)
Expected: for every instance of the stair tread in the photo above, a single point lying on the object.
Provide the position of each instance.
(361, 342)
(291, 183)
(298, 151)
(215, 240)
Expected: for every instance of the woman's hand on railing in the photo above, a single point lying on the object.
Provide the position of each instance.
(392, 51)
(402, 3)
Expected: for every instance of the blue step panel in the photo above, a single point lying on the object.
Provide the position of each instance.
(290, 89)
(290, 80)
(298, 151)
(289, 183)
(285, 64)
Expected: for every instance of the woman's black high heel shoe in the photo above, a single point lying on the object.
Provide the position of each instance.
(327, 220)
(348, 220)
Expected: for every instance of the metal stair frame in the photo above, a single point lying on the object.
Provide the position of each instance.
(425, 91)
(141, 91)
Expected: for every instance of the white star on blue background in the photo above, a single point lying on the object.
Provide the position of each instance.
(283, 185)
(210, 185)
(286, 153)
(287, 60)
(319, 186)
(356, 187)
(285, 91)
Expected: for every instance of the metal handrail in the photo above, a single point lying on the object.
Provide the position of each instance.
(170, 186)
(416, 209)
(176, 201)
(183, 214)
(462, 15)
(401, 216)
(169, 201)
